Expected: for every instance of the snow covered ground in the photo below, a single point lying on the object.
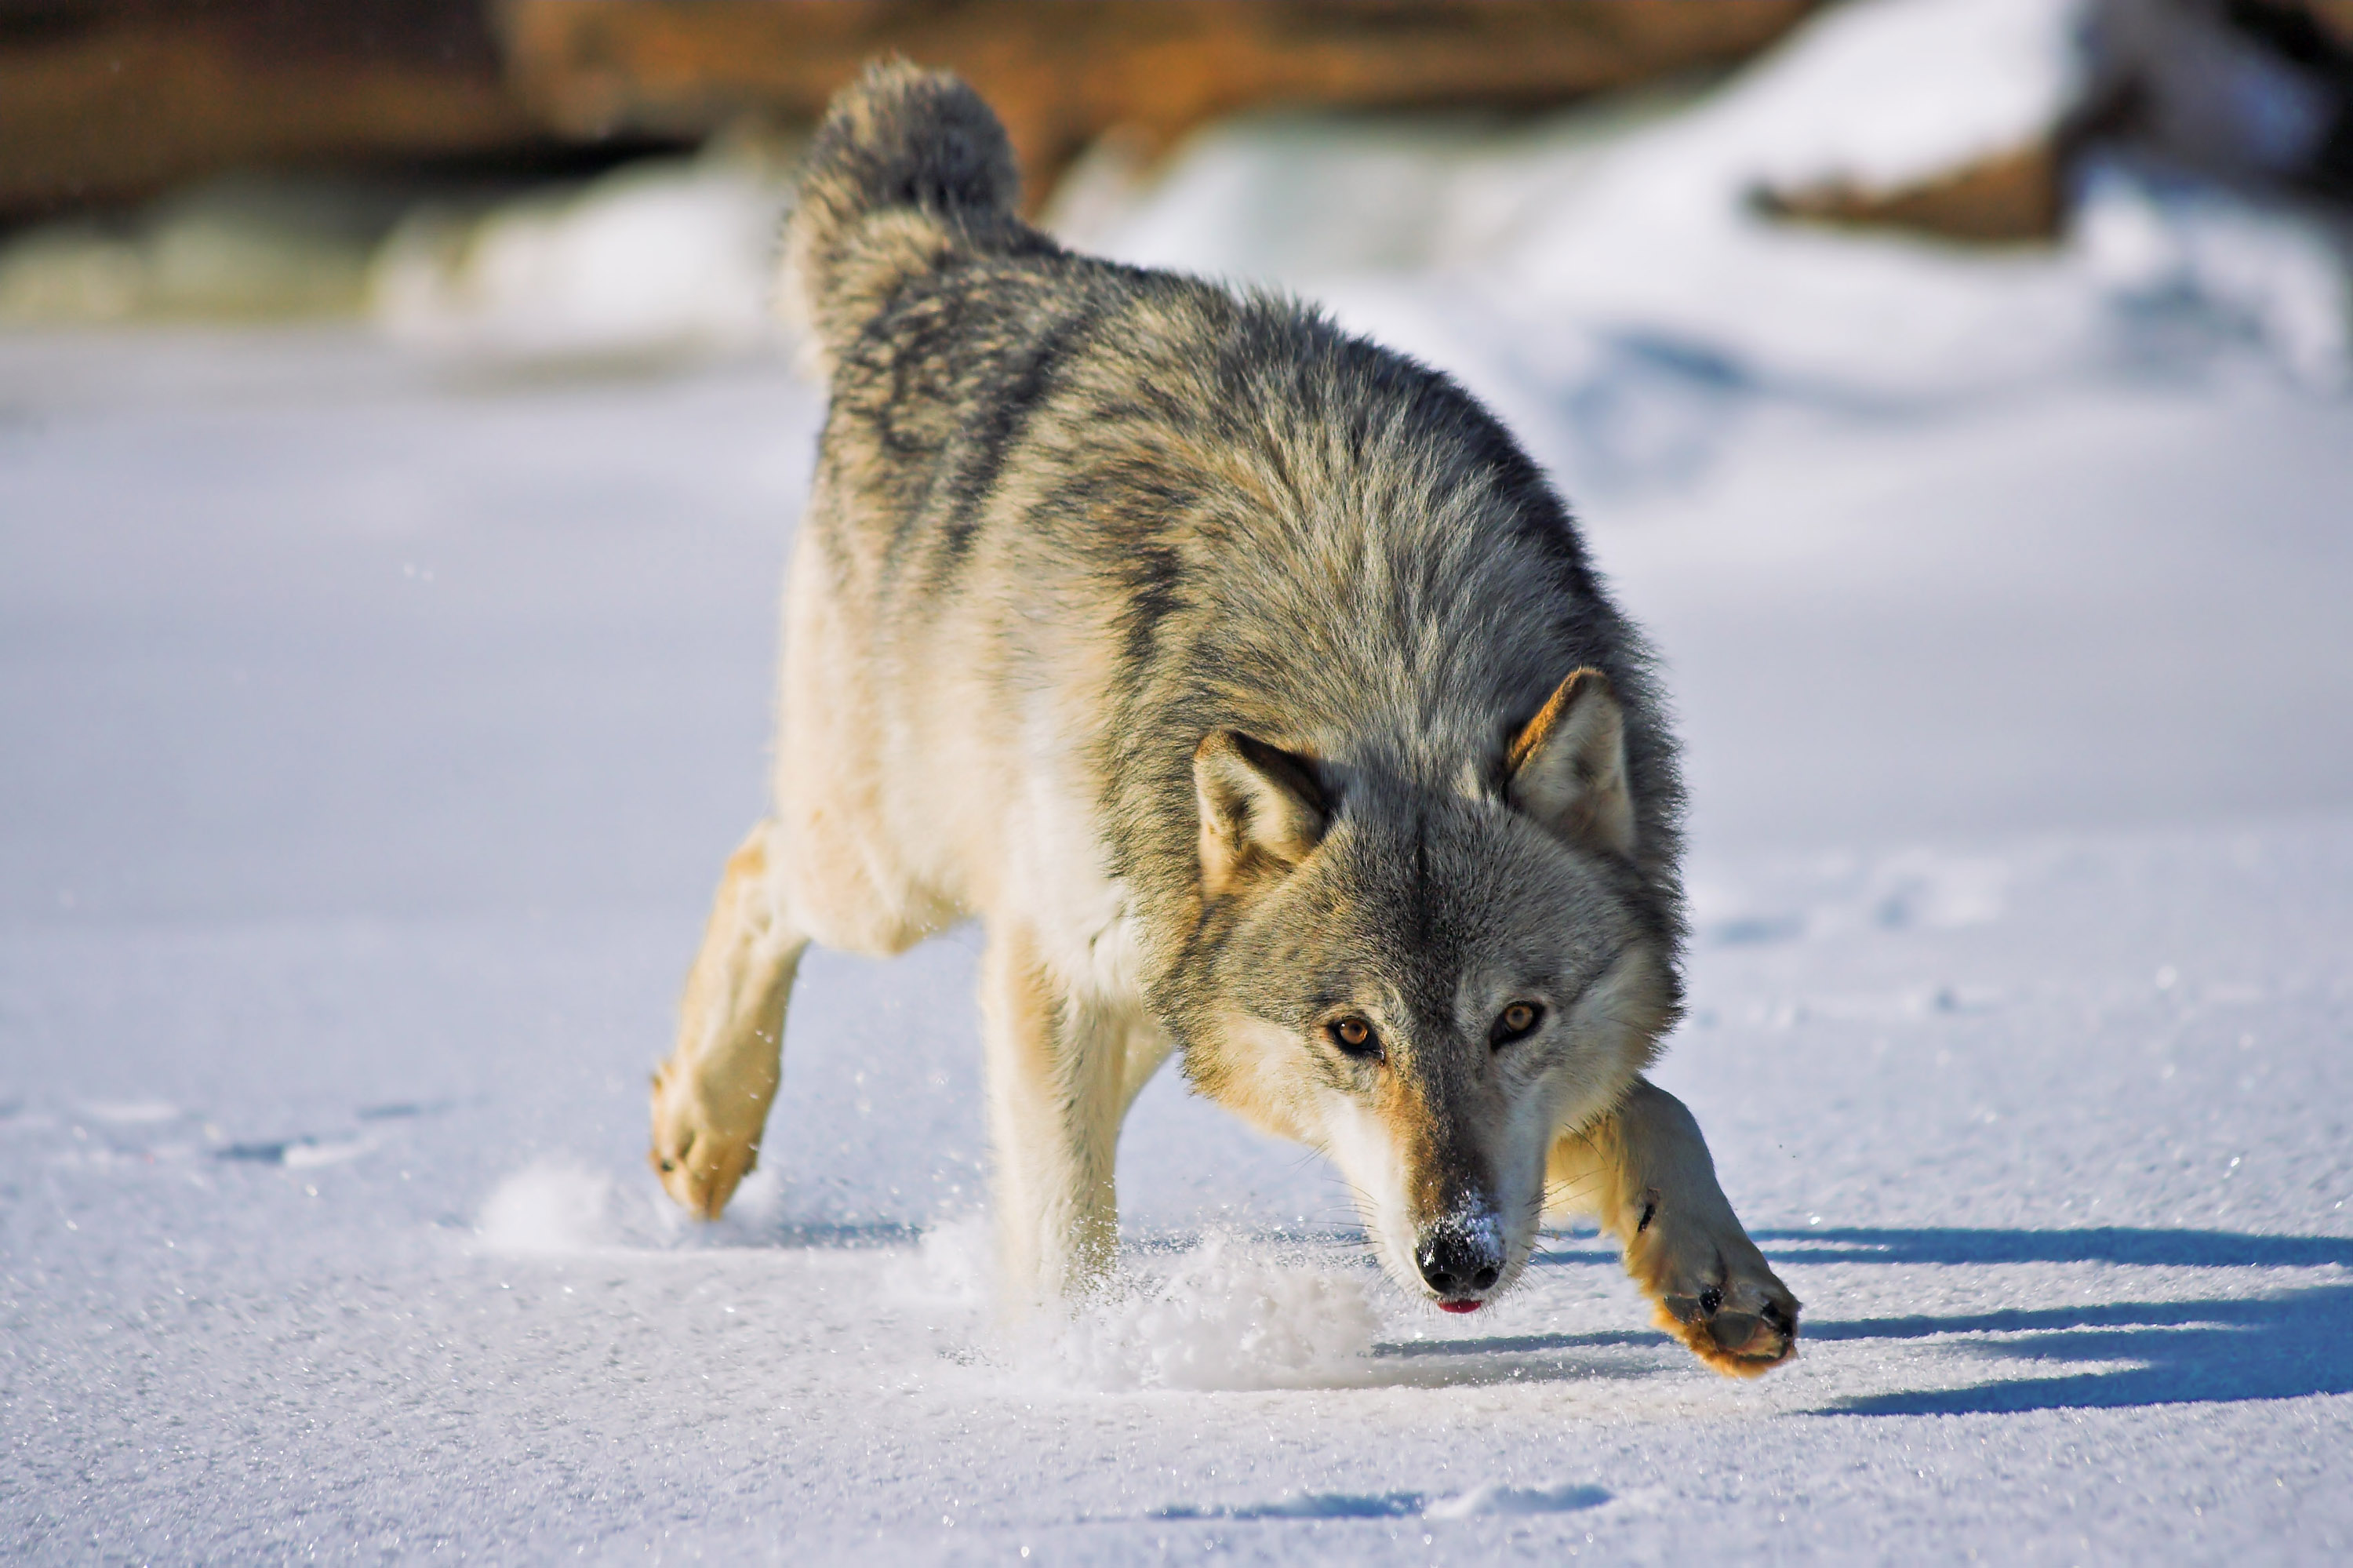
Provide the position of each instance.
(374, 720)
(375, 726)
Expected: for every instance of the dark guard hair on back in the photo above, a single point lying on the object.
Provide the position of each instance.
(1306, 536)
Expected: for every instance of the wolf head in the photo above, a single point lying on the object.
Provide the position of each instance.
(1429, 985)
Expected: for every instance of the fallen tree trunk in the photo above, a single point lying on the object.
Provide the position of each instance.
(107, 103)
(1061, 72)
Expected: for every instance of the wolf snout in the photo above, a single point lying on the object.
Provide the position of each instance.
(1457, 1261)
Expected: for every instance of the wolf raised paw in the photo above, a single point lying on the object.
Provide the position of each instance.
(1714, 1290)
(700, 1164)
(1644, 1171)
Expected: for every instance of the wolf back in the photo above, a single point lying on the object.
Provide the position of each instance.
(1286, 530)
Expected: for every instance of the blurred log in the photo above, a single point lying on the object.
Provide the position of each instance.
(1060, 72)
(2011, 196)
(2334, 17)
(105, 101)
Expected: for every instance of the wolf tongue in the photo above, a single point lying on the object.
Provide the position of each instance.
(1460, 1306)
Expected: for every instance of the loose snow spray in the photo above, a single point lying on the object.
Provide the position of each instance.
(549, 1207)
(563, 1206)
(1227, 1315)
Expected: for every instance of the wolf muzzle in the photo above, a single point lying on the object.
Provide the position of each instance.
(1461, 1258)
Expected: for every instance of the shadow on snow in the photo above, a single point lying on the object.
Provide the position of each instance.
(2148, 1248)
(2286, 1345)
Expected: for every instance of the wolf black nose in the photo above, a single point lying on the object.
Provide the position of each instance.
(1452, 1262)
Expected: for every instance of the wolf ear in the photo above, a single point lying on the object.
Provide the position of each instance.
(1567, 766)
(1259, 807)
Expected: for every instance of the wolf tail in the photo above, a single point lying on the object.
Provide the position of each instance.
(909, 168)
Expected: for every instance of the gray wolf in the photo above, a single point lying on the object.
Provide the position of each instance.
(1254, 690)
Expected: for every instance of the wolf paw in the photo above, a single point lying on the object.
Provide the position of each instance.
(1714, 1292)
(700, 1164)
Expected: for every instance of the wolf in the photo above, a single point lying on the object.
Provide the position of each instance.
(1254, 690)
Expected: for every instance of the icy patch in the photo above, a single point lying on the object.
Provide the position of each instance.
(1227, 1317)
(296, 1152)
(1492, 1499)
(1310, 1505)
(552, 1206)
(1487, 1500)
(305, 1153)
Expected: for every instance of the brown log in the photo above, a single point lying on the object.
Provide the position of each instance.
(105, 100)
(103, 103)
(1060, 72)
(2006, 198)
(2334, 17)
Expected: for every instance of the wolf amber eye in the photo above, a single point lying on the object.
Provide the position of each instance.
(1517, 1021)
(1354, 1036)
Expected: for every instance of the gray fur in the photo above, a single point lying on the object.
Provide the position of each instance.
(1073, 522)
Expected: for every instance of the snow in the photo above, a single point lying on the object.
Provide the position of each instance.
(1888, 94)
(1225, 1317)
(664, 256)
(1537, 262)
(374, 717)
(378, 728)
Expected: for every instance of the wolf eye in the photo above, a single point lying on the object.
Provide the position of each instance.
(1354, 1036)
(1515, 1022)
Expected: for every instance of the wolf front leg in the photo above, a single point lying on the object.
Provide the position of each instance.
(1643, 1170)
(1057, 1091)
(711, 1099)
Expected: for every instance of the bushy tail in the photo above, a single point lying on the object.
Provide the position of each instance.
(909, 166)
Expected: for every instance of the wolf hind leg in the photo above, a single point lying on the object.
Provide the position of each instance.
(1058, 1086)
(710, 1098)
(1643, 1170)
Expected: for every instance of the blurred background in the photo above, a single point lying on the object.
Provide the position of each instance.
(601, 177)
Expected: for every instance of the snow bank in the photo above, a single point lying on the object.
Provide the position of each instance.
(668, 255)
(1571, 270)
(241, 247)
(1887, 94)
(2168, 249)
(1605, 276)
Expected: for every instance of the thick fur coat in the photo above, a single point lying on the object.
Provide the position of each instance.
(1254, 690)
